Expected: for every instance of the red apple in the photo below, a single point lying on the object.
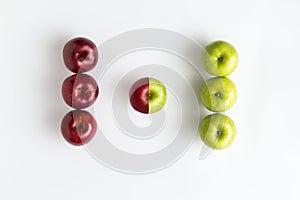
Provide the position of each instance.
(80, 91)
(78, 127)
(80, 55)
(148, 95)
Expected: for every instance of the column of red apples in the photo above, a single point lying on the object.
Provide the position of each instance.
(79, 91)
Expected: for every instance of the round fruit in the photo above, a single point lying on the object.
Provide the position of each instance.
(220, 58)
(80, 55)
(217, 131)
(80, 91)
(218, 94)
(78, 127)
(148, 95)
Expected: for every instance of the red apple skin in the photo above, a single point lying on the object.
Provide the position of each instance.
(80, 91)
(138, 94)
(78, 127)
(80, 55)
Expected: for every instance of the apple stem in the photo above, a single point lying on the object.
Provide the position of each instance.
(220, 59)
(219, 132)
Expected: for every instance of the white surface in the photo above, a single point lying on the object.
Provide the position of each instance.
(264, 160)
(173, 110)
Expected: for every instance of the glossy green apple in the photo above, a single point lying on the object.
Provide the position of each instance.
(220, 58)
(217, 131)
(157, 95)
(218, 94)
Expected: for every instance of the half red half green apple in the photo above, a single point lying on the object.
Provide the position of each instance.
(148, 95)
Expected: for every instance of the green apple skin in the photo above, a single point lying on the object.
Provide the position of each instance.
(217, 131)
(157, 95)
(220, 58)
(218, 94)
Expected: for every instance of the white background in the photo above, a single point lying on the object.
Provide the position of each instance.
(262, 163)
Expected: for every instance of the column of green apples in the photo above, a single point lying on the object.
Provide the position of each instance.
(218, 94)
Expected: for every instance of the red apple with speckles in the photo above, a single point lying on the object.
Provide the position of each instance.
(78, 127)
(80, 91)
(80, 55)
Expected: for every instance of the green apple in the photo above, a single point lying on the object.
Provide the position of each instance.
(217, 131)
(218, 94)
(157, 95)
(220, 58)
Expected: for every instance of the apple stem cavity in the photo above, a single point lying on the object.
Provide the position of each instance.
(219, 133)
(220, 59)
(82, 56)
(218, 94)
(80, 127)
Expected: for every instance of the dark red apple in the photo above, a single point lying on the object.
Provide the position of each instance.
(80, 55)
(80, 91)
(78, 127)
(148, 95)
(139, 95)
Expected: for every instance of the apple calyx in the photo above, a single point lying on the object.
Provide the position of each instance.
(81, 56)
(218, 94)
(219, 133)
